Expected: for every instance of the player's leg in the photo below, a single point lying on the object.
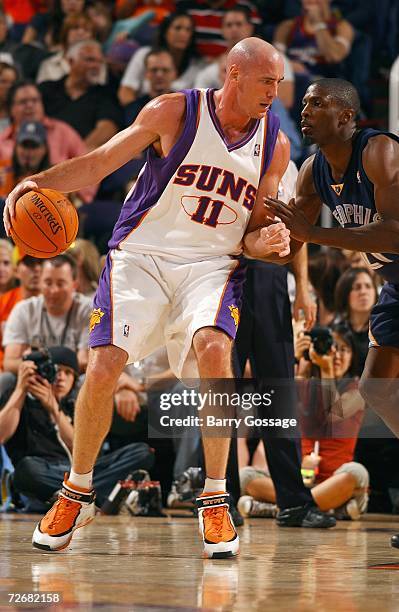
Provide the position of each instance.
(379, 384)
(380, 379)
(93, 413)
(213, 349)
(202, 325)
(122, 327)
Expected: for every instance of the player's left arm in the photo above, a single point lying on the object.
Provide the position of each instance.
(271, 244)
(380, 164)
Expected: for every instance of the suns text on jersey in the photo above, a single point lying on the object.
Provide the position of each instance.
(217, 180)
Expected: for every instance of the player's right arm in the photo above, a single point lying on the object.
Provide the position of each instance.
(158, 124)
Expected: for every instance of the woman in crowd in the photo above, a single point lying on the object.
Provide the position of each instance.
(74, 29)
(45, 28)
(331, 416)
(355, 295)
(177, 35)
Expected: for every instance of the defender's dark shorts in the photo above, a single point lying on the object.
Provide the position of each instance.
(384, 318)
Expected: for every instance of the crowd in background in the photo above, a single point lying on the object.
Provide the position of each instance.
(75, 72)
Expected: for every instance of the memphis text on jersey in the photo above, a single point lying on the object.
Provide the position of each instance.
(348, 214)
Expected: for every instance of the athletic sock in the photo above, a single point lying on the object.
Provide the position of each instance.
(84, 481)
(212, 485)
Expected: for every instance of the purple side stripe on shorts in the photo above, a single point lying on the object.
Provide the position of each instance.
(101, 320)
(228, 314)
(156, 175)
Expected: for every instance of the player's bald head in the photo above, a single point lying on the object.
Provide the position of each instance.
(253, 52)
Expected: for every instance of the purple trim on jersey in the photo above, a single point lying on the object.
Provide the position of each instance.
(212, 112)
(156, 175)
(231, 297)
(102, 331)
(273, 126)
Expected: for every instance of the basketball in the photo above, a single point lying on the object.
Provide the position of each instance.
(45, 223)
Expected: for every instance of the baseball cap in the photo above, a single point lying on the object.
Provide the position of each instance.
(62, 355)
(32, 131)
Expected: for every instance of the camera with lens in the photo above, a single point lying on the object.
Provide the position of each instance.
(322, 340)
(46, 368)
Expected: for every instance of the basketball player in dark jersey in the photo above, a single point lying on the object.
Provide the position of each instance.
(356, 174)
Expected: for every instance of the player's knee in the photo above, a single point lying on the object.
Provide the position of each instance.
(105, 366)
(211, 346)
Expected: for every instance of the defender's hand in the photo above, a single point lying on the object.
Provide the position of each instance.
(9, 206)
(291, 216)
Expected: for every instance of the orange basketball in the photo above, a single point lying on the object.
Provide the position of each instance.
(45, 223)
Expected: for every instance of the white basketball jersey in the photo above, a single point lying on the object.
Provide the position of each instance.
(196, 202)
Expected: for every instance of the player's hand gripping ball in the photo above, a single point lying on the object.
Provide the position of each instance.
(45, 223)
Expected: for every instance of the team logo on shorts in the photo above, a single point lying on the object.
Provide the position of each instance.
(235, 313)
(95, 318)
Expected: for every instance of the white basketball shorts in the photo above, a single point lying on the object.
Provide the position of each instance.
(144, 302)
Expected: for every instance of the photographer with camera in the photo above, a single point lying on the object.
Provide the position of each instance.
(331, 415)
(336, 409)
(36, 427)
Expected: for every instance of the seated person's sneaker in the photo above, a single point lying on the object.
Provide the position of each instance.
(248, 506)
(305, 516)
(74, 508)
(216, 526)
(348, 511)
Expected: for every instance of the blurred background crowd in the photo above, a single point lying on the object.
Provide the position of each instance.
(72, 74)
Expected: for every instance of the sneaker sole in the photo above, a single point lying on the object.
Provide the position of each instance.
(220, 555)
(48, 548)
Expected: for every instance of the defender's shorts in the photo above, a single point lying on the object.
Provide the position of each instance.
(384, 318)
(144, 302)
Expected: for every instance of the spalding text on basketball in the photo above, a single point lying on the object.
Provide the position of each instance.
(52, 221)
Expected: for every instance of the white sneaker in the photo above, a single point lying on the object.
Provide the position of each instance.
(216, 526)
(250, 507)
(74, 508)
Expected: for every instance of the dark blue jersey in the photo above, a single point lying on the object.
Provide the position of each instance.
(352, 200)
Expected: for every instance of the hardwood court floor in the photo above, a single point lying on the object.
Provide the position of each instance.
(139, 564)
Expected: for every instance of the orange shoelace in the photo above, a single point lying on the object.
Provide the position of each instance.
(62, 511)
(216, 515)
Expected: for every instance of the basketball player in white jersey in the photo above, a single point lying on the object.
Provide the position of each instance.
(174, 274)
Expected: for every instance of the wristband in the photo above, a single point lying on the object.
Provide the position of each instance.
(320, 26)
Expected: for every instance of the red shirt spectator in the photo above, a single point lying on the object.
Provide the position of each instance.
(23, 10)
(207, 16)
